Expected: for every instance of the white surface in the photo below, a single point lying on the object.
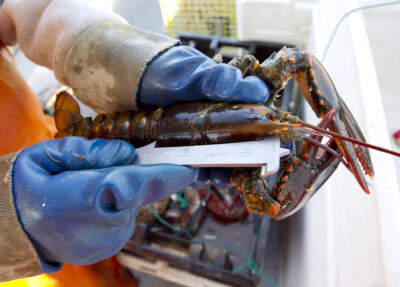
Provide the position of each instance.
(344, 237)
(280, 21)
(144, 14)
(246, 154)
(385, 49)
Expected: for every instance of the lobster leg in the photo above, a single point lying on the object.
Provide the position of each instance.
(276, 70)
(247, 65)
(255, 191)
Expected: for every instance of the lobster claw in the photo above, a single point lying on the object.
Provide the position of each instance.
(304, 180)
(302, 175)
(320, 92)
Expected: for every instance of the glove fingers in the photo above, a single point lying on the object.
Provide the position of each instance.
(75, 153)
(106, 192)
(226, 83)
(136, 185)
(185, 74)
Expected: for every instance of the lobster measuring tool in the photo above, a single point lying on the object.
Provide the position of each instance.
(265, 153)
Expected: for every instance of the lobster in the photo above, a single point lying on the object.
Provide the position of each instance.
(214, 122)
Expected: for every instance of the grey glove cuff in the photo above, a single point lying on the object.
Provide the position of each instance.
(17, 255)
(105, 64)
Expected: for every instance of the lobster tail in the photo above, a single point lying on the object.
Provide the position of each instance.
(67, 114)
(139, 128)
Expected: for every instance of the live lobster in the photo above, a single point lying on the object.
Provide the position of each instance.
(211, 122)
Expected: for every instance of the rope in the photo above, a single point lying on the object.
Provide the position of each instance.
(180, 197)
(173, 227)
(349, 13)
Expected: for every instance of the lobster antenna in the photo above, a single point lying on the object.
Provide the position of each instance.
(336, 135)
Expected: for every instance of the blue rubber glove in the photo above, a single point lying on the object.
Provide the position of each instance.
(77, 199)
(184, 74)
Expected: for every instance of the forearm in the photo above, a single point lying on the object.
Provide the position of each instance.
(18, 258)
(91, 50)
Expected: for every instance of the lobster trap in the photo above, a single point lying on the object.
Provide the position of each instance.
(206, 17)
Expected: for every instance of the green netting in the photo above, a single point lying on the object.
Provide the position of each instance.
(217, 17)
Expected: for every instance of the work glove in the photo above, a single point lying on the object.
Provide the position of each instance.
(183, 73)
(77, 199)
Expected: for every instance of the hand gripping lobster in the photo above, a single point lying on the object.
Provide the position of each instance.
(211, 123)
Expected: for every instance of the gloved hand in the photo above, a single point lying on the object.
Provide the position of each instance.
(77, 199)
(184, 74)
